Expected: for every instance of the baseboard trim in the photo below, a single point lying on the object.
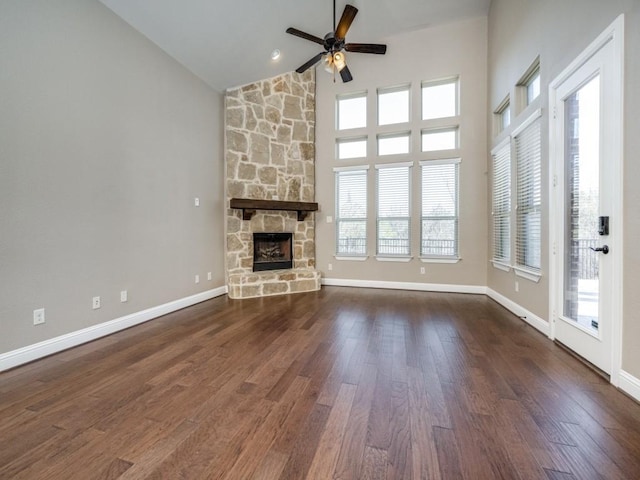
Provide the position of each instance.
(39, 350)
(529, 317)
(423, 287)
(630, 385)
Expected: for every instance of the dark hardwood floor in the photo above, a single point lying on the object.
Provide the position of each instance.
(338, 384)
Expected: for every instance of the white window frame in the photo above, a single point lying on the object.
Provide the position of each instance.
(390, 256)
(344, 140)
(501, 205)
(531, 181)
(432, 258)
(429, 131)
(385, 90)
(346, 255)
(436, 83)
(523, 86)
(384, 136)
(351, 96)
(502, 116)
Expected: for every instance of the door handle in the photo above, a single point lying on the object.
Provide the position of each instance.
(604, 249)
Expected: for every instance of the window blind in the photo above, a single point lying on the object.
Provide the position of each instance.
(393, 222)
(501, 204)
(351, 212)
(439, 233)
(528, 196)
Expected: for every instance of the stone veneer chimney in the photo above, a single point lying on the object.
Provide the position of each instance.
(270, 155)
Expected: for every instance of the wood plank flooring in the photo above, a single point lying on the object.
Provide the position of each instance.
(338, 384)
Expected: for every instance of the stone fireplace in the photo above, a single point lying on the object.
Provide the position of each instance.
(270, 157)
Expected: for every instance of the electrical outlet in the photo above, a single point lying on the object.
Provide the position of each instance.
(124, 296)
(517, 287)
(96, 303)
(38, 316)
(329, 219)
(330, 266)
(196, 202)
(197, 279)
(209, 276)
(422, 270)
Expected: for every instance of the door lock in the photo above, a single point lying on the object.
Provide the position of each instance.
(604, 249)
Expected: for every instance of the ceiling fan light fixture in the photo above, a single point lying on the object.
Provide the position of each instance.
(339, 60)
(334, 62)
(327, 60)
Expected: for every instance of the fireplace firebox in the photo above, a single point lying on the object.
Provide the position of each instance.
(272, 251)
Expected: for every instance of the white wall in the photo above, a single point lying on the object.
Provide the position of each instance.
(520, 30)
(104, 143)
(429, 54)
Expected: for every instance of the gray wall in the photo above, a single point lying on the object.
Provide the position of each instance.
(104, 143)
(520, 30)
(423, 55)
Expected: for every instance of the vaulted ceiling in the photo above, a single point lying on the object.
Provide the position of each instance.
(229, 43)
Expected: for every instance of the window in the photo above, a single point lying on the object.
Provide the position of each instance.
(351, 148)
(393, 223)
(533, 87)
(394, 144)
(440, 99)
(351, 211)
(352, 111)
(439, 139)
(393, 105)
(501, 203)
(439, 235)
(502, 116)
(528, 193)
(529, 85)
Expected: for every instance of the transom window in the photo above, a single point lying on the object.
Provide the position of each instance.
(393, 144)
(440, 99)
(347, 148)
(393, 105)
(439, 139)
(502, 116)
(352, 111)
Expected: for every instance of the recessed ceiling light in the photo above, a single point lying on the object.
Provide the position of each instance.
(275, 54)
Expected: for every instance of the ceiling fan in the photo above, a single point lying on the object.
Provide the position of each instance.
(335, 46)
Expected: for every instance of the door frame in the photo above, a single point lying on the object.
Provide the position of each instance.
(613, 34)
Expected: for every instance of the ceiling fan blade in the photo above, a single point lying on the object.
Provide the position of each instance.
(345, 21)
(306, 36)
(366, 48)
(346, 74)
(310, 63)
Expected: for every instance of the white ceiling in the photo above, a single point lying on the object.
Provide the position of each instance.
(228, 43)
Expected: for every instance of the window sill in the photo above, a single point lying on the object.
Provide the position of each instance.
(501, 266)
(382, 258)
(440, 259)
(533, 275)
(351, 259)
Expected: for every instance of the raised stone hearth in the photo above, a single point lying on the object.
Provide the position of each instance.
(274, 282)
(270, 155)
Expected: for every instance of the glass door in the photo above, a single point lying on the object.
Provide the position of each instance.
(585, 164)
(581, 290)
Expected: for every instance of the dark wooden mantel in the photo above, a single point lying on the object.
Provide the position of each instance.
(249, 207)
